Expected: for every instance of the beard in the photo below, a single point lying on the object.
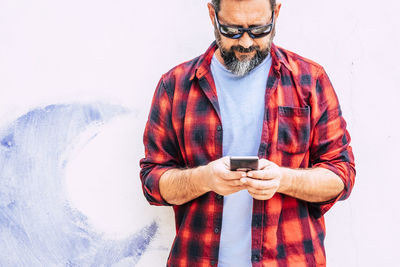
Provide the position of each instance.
(243, 65)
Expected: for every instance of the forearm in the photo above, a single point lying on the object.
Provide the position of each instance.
(312, 185)
(178, 186)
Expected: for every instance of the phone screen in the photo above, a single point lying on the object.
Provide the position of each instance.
(247, 163)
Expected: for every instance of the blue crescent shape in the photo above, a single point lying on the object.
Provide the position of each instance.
(37, 225)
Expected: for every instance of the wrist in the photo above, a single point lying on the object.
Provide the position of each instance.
(201, 175)
(286, 180)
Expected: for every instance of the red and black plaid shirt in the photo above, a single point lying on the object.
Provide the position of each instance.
(303, 128)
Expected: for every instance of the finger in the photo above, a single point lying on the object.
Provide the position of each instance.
(261, 191)
(261, 197)
(233, 188)
(264, 163)
(234, 183)
(222, 170)
(259, 184)
(264, 174)
(233, 175)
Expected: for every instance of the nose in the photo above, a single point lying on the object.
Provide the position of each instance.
(246, 41)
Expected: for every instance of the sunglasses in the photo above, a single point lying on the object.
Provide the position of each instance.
(235, 32)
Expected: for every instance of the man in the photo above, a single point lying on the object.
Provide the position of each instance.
(245, 96)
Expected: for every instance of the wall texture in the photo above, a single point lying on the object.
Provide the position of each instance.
(76, 81)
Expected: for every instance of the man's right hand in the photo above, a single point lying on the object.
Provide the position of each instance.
(178, 186)
(221, 179)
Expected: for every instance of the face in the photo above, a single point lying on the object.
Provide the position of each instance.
(242, 55)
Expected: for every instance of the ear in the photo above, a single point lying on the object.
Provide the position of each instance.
(211, 12)
(277, 9)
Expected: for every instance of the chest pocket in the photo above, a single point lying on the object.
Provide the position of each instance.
(293, 129)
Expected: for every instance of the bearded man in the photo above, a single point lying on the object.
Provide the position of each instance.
(247, 97)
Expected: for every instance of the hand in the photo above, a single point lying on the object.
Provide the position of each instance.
(221, 179)
(262, 184)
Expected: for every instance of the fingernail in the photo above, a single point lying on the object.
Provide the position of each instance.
(243, 180)
(244, 174)
(249, 174)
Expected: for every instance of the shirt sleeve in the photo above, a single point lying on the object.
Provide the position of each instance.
(330, 147)
(161, 149)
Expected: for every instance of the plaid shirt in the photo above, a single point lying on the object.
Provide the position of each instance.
(303, 127)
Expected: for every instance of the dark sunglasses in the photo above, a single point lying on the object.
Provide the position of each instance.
(235, 32)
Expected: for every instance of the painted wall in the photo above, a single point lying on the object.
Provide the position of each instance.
(76, 81)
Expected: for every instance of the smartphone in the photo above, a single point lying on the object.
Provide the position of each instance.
(246, 163)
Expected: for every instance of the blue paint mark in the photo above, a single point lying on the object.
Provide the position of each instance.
(11, 205)
(142, 241)
(3, 220)
(8, 141)
(37, 227)
(50, 108)
(93, 115)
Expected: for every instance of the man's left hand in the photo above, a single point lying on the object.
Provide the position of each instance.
(263, 183)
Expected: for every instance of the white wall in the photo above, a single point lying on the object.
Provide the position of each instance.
(54, 52)
(357, 42)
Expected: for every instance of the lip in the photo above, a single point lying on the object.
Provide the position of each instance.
(237, 50)
(245, 53)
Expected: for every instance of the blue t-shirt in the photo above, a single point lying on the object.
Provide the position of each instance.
(242, 101)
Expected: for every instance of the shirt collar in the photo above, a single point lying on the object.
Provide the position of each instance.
(278, 59)
(203, 64)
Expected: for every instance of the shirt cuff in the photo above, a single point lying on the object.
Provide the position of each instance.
(318, 209)
(151, 186)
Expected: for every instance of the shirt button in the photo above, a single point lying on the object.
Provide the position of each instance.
(213, 263)
(219, 128)
(219, 197)
(216, 230)
(255, 258)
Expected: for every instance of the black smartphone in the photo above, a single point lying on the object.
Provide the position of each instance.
(246, 163)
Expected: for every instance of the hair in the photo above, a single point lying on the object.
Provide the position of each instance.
(217, 4)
